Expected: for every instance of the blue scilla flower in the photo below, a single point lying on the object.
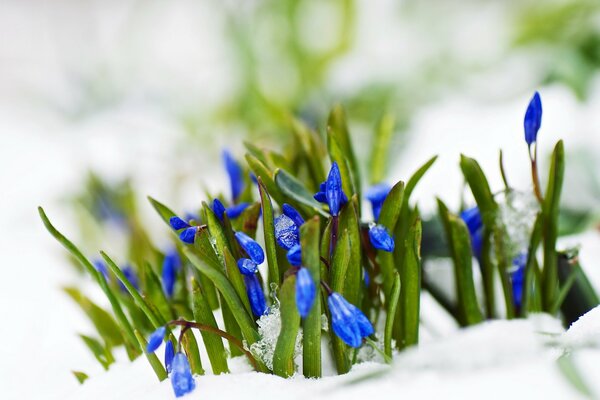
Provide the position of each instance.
(517, 277)
(294, 255)
(472, 218)
(181, 375)
(131, 277)
(533, 119)
(381, 239)
(292, 214)
(236, 210)
(218, 208)
(331, 192)
(188, 232)
(306, 292)
(156, 339)
(170, 267)
(256, 295)
(236, 175)
(348, 322)
(287, 233)
(169, 354)
(251, 247)
(376, 194)
(247, 266)
(102, 268)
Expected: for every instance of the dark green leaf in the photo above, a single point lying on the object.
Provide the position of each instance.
(283, 357)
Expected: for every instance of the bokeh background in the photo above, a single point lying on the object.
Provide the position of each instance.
(150, 91)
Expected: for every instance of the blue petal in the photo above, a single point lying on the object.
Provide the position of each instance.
(236, 211)
(177, 223)
(131, 277)
(236, 175)
(293, 214)
(333, 189)
(156, 339)
(343, 320)
(101, 267)
(305, 292)
(286, 232)
(381, 239)
(189, 235)
(169, 353)
(251, 247)
(294, 255)
(181, 375)
(377, 194)
(472, 218)
(247, 266)
(533, 118)
(218, 208)
(256, 295)
(320, 197)
(364, 325)
(517, 277)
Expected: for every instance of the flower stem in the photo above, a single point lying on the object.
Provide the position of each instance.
(535, 175)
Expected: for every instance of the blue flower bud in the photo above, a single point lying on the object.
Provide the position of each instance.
(472, 218)
(169, 353)
(343, 320)
(171, 265)
(376, 194)
(256, 295)
(533, 119)
(218, 208)
(188, 235)
(181, 375)
(251, 247)
(364, 325)
(294, 255)
(131, 277)
(381, 239)
(293, 214)
(247, 266)
(235, 211)
(101, 267)
(177, 223)
(287, 233)
(236, 175)
(517, 277)
(333, 189)
(321, 195)
(305, 292)
(156, 339)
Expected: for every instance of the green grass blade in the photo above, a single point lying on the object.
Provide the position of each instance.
(337, 128)
(381, 147)
(100, 352)
(349, 221)
(163, 211)
(158, 368)
(269, 234)
(190, 345)
(295, 190)
(261, 171)
(339, 266)
(410, 288)
(283, 357)
(392, 307)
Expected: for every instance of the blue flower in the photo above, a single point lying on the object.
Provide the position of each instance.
(472, 218)
(305, 292)
(171, 265)
(292, 214)
(236, 210)
(287, 233)
(247, 266)
(131, 277)
(156, 339)
(236, 175)
(348, 322)
(101, 267)
(218, 208)
(376, 194)
(256, 295)
(188, 234)
(331, 192)
(294, 255)
(381, 239)
(517, 277)
(533, 119)
(169, 353)
(181, 375)
(251, 247)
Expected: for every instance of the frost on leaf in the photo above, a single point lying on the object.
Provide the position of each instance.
(517, 216)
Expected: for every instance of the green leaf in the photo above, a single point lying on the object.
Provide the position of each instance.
(294, 189)
(381, 147)
(550, 210)
(213, 343)
(311, 150)
(158, 368)
(392, 307)
(480, 188)
(129, 335)
(349, 221)
(283, 357)
(236, 279)
(269, 234)
(337, 128)
(577, 295)
(80, 376)
(410, 288)
(311, 338)
(156, 295)
(261, 171)
(339, 266)
(247, 222)
(460, 247)
(531, 285)
(572, 374)
(163, 211)
(100, 352)
(190, 345)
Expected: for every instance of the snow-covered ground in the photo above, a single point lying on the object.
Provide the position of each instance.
(49, 136)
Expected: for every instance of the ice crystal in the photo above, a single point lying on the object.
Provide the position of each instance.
(517, 216)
